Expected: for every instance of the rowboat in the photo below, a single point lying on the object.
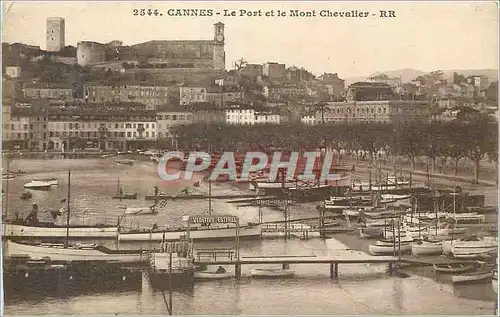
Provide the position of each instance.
(273, 273)
(426, 248)
(472, 277)
(220, 274)
(87, 252)
(37, 185)
(388, 249)
(140, 211)
(452, 268)
(391, 241)
(472, 249)
(52, 181)
(126, 196)
(371, 232)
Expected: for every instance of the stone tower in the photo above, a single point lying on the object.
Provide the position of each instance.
(219, 53)
(55, 34)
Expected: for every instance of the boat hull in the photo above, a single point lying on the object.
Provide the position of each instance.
(451, 269)
(472, 278)
(203, 234)
(212, 276)
(70, 254)
(387, 249)
(426, 248)
(12, 230)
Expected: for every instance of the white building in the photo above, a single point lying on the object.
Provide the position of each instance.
(140, 130)
(267, 118)
(308, 119)
(55, 34)
(240, 116)
(190, 95)
(13, 71)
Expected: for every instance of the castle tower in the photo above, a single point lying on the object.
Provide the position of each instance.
(219, 53)
(55, 34)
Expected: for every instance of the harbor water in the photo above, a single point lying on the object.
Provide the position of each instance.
(360, 288)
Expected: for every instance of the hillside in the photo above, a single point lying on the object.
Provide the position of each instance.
(407, 74)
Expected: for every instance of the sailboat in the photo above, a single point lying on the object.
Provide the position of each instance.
(121, 195)
(425, 247)
(32, 227)
(196, 231)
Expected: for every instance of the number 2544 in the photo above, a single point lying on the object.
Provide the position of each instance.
(144, 12)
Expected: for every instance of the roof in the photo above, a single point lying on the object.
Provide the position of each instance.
(368, 84)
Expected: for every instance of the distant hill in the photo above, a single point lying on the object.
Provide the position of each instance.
(407, 74)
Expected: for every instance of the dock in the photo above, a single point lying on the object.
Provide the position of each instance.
(286, 261)
(199, 196)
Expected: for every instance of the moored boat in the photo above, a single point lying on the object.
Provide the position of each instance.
(453, 268)
(426, 248)
(37, 185)
(388, 249)
(52, 181)
(124, 162)
(365, 232)
(219, 274)
(125, 196)
(196, 233)
(272, 273)
(472, 249)
(88, 252)
(481, 276)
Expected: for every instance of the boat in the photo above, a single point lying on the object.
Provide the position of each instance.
(369, 232)
(470, 217)
(388, 249)
(141, 210)
(87, 252)
(426, 248)
(26, 195)
(472, 247)
(124, 162)
(7, 177)
(272, 273)
(195, 233)
(404, 240)
(219, 274)
(170, 268)
(480, 276)
(51, 181)
(121, 195)
(453, 268)
(37, 185)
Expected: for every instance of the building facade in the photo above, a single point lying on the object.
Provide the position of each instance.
(169, 118)
(151, 96)
(192, 95)
(388, 111)
(13, 71)
(274, 70)
(279, 93)
(55, 34)
(54, 92)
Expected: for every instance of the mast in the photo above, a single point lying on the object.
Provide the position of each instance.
(67, 217)
(209, 195)
(7, 187)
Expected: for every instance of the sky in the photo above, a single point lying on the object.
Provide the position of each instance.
(423, 35)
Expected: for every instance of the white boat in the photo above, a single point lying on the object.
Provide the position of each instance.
(37, 185)
(52, 231)
(228, 232)
(273, 185)
(219, 274)
(452, 268)
(467, 217)
(404, 240)
(271, 273)
(366, 233)
(472, 277)
(471, 248)
(426, 248)
(57, 252)
(140, 211)
(7, 177)
(388, 249)
(51, 181)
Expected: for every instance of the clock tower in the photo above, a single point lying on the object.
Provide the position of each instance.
(219, 56)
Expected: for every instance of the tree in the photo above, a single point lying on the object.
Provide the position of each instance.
(457, 148)
(240, 63)
(412, 141)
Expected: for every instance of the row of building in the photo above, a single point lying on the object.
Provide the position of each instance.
(128, 126)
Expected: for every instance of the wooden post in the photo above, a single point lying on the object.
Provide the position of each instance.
(391, 269)
(237, 271)
(336, 272)
(331, 270)
(286, 266)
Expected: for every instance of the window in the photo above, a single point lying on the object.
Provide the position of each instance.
(147, 125)
(174, 117)
(153, 134)
(128, 126)
(76, 125)
(134, 125)
(152, 125)
(25, 126)
(135, 134)
(12, 127)
(129, 134)
(147, 134)
(51, 134)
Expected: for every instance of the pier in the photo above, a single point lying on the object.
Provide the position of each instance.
(287, 260)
